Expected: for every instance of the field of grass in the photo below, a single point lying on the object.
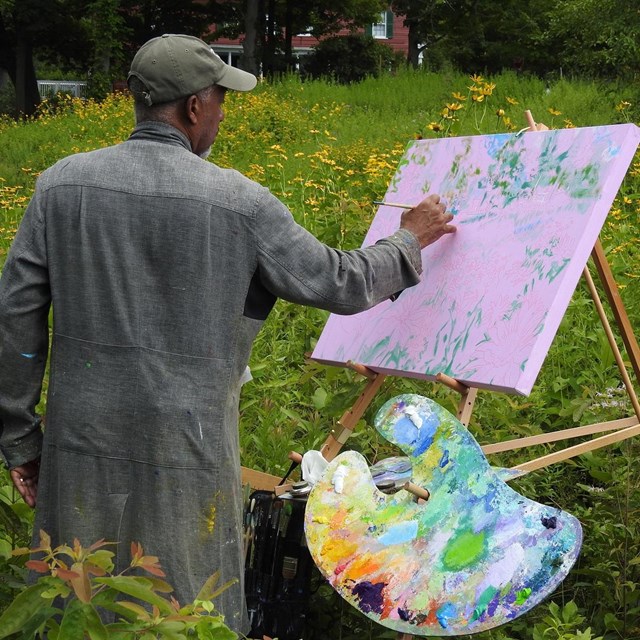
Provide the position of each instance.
(328, 151)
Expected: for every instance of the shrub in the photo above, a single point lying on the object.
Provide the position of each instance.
(77, 586)
(347, 59)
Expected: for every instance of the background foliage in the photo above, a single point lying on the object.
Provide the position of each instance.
(328, 151)
(95, 39)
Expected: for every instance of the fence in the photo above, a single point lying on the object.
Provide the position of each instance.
(49, 88)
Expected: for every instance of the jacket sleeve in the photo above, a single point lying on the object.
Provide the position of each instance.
(294, 265)
(24, 337)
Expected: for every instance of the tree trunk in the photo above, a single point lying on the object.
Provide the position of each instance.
(248, 60)
(413, 49)
(269, 51)
(26, 85)
(288, 48)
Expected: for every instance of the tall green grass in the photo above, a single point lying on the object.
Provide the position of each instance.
(328, 151)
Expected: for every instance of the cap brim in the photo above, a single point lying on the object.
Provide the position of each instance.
(237, 79)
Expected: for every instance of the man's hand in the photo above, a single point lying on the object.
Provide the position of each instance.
(427, 220)
(25, 477)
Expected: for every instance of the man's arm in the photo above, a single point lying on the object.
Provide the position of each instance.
(295, 266)
(24, 308)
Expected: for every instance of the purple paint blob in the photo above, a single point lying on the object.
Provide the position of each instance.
(404, 614)
(371, 600)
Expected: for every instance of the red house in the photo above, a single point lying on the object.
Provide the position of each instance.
(390, 30)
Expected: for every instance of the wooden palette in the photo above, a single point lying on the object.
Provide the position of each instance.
(476, 555)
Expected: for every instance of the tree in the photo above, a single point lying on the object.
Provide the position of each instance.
(89, 36)
(479, 35)
(270, 25)
(150, 18)
(19, 23)
(596, 37)
(64, 32)
(426, 21)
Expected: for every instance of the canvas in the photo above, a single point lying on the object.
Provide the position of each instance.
(474, 556)
(528, 210)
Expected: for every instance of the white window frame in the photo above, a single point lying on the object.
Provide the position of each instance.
(379, 29)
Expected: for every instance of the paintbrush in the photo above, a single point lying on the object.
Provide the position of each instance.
(394, 204)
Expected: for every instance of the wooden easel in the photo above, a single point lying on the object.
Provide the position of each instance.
(620, 429)
(615, 430)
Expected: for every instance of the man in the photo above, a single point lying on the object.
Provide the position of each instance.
(161, 268)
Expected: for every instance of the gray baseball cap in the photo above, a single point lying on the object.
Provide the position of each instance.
(176, 66)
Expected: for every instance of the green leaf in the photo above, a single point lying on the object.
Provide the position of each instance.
(171, 630)
(80, 618)
(319, 398)
(103, 559)
(208, 587)
(9, 521)
(210, 628)
(137, 587)
(22, 609)
(39, 619)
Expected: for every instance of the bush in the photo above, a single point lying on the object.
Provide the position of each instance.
(347, 59)
(78, 586)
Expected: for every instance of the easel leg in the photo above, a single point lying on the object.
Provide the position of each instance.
(612, 341)
(467, 396)
(347, 423)
(620, 313)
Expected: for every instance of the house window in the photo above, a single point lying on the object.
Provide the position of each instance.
(379, 29)
(384, 28)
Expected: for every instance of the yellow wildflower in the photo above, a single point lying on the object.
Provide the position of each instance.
(554, 112)
(500, 113)
(512, 101)
(487, 89)
(434, 126)
(477, 97)
(454, 106)
(477, 79)
(459, 96)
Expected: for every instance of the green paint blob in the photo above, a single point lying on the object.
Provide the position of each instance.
(464, 550)
(522, 596)
(483, 601)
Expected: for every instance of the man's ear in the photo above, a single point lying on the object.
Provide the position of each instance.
(192, 109)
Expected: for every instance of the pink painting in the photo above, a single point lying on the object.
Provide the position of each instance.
(528, 210)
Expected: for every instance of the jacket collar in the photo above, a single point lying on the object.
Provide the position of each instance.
(160, 132)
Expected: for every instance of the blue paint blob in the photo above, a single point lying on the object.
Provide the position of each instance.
(446, 611)
(29, 355)
(549, 523)
(370, 596)
(405, 432)
(399, 533)
(444, 461)
(493, 605)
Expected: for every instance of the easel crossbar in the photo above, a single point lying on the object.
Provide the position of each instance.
(554, 436)
(579, 449)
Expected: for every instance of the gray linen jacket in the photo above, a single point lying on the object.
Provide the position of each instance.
(160, 268)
